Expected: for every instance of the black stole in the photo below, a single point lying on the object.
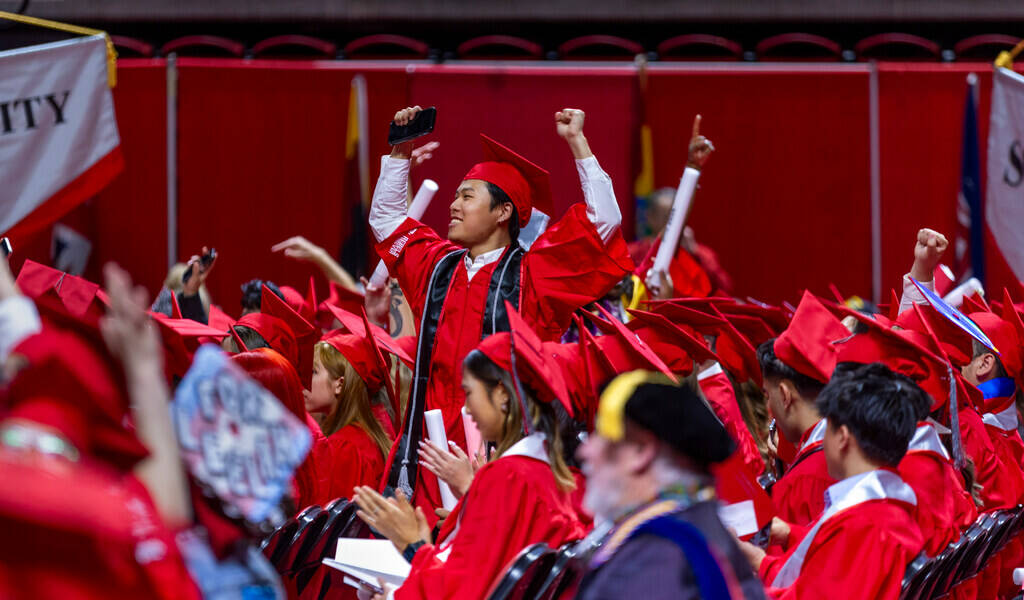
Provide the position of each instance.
(504, 286)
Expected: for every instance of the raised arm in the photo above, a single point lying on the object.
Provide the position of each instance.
(927, 253)
(602, 208)
(389, 207)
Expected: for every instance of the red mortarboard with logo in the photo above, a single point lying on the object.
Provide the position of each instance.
(527, 185)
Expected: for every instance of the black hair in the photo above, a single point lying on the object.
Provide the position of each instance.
(499, 197)
(979, 349)
(250, 337)
(880, 408)
(773, 368)
(252, 294)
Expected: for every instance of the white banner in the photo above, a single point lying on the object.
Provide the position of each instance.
(1004, 197)
(56, 123)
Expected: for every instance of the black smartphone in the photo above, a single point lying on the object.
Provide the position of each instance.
(204, 263)
(5, 245)
(420, 125)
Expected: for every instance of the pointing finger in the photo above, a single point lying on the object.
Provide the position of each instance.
(696, 127)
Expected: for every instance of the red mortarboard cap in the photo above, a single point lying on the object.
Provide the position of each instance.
(624, 349)
(752, 328)
(311, 303)
(67, 385)
(775, 318)
(305, 333)
(526, 184)
(924, 318)
(975, 303)
(902, 351)
(76, 294)
(533, 366)
(359, 352)
(571, 364)
(1004, 335)
(678, 345)
(181, 338)
(218, 319)
(341, 297)
(275, 331)
(356, 324)
(806, 345)
(734, 351)
(294, 299)
(175, 307)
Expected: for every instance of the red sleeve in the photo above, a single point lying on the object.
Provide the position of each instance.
(502, 514)
(568, 267)
(837, 560)
(410, 254)
(997, 490)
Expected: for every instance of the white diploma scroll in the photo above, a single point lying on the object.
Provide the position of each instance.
(955, 298)
(419, 205)
(435, 431)
(676, 221)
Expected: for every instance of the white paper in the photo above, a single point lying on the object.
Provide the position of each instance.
(419, 205)
(435, 432)
(955, 298)
(368, 560)
(740, 516)
(674, 228)
(474, 443)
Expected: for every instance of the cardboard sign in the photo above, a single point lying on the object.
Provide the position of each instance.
(235, 436)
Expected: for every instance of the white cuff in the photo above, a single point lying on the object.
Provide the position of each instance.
(602, 208)
(18, 320)
(912, 295)
(390, 198)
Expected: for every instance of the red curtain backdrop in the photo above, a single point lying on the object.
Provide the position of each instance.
(785, 200)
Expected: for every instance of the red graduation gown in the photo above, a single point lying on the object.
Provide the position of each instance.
(944, 508)
(82, 531)
(567, 267)
(722, 397)
(512, 503)
(861, 552)
(799, 494)
(352, 459)
(998, 490)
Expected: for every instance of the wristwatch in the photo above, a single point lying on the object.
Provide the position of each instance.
(410, 551)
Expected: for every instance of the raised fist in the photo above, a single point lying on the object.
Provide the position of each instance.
(569, 123)
(927, 253)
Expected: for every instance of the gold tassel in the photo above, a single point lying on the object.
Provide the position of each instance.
(111, 53)
(1005, 59)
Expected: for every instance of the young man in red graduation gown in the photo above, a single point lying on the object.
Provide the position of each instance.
(796, 366)
(457, 287)
(861, 544)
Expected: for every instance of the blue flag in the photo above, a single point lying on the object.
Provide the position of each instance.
(970, 252)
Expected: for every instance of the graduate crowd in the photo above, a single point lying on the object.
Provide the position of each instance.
(519, 397)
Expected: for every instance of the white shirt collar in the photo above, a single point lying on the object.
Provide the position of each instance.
(474, 265)
(531, 446)
(711, 371)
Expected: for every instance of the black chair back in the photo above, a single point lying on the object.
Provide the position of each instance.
(311, 521)
(915, 575)
(525, 574)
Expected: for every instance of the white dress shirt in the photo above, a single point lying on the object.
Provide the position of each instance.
(389, 209)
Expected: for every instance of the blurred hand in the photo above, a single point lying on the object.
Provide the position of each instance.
(127, 329)
(299, 248)
(199, 273)
(377, 301)
(424, 153)
(394, 518)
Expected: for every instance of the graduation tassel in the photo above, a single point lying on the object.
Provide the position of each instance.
(520, 394)
(403, 479)
(954, 422)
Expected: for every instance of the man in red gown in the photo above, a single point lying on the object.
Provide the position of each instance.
(861, 544)
(457, 287)
(796, 366)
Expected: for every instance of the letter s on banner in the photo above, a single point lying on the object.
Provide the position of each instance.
(1004, 202)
